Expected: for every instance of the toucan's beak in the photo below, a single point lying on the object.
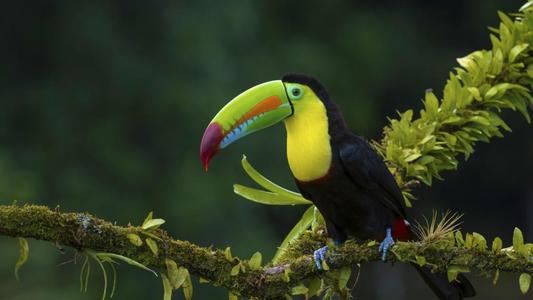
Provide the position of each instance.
(259, 107)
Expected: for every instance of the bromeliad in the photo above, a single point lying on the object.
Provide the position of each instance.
(337, 170)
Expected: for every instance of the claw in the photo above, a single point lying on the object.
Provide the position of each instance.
(387, 242)
(319, 256)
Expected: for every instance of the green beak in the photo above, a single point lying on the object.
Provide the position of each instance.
(258, 107)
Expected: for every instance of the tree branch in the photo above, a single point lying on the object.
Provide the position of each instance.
(84, 231)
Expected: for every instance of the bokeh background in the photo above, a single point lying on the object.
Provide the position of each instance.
(103, 104)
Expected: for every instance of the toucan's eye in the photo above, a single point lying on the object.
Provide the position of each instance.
(295, 92)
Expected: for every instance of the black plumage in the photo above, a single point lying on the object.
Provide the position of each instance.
(359, 197)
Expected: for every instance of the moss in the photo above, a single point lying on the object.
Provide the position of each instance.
(85, 231)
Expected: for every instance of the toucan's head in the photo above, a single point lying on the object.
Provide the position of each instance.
(256, 108)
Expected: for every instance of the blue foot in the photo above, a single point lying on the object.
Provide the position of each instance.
(319, 256)
(387, 242)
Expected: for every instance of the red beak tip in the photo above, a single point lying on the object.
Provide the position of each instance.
(204, 159)
(210, 141)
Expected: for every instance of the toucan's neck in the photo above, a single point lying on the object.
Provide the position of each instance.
(336, 124)
(311, 133)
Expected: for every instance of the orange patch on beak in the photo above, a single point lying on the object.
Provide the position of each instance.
(265, 105)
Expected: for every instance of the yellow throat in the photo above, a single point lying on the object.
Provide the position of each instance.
(308, 140)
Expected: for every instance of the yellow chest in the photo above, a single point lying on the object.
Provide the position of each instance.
(308, 142)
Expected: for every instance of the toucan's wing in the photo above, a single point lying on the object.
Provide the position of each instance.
(367, 169)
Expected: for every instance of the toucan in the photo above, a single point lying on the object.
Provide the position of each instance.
(334, 168)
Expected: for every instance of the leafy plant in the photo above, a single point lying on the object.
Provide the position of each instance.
(175, 278)
(111, 259)
(24, 252)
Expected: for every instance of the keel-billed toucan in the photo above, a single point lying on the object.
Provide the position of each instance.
(334, 168)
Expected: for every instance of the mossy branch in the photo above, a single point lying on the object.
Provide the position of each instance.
(83, 231)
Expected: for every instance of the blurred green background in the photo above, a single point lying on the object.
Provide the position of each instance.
(103, 105)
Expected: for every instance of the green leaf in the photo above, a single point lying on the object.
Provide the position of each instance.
(497, 245)
(344, 276)
(173, 272)
(172, 267)
(505, 19)
(265, 197)
(469, 241)
(314, 286)
(318, 219)
(411, 157)
(431, 103)
(235, 270)
(299, 290)
(452, 120)
(187, 286)
(147, 233)
(227, 254)
(148, 217)
(181, 277)
(152, 245)
(135, 239)
(152, 224)
(426, 159)
(420, 260)
(329, 294)
(454, 270)
(501, 88)
(267, 184)
(167, 287)
(497, 63)
(125, 259)
(518, 240)
(526, 6)
(525, 282)
(232, 296)
(407, 197)
(516, 50)
(480, 120)
(325, 265)
(295, 232)
(24, 252)
(496, 120)
(475, 93)
(480, 240)
(466, 62)
(255, 261)
(203, 280)
(491, 92)
(496, 277)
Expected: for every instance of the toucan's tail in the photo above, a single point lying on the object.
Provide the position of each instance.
(445, 290)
